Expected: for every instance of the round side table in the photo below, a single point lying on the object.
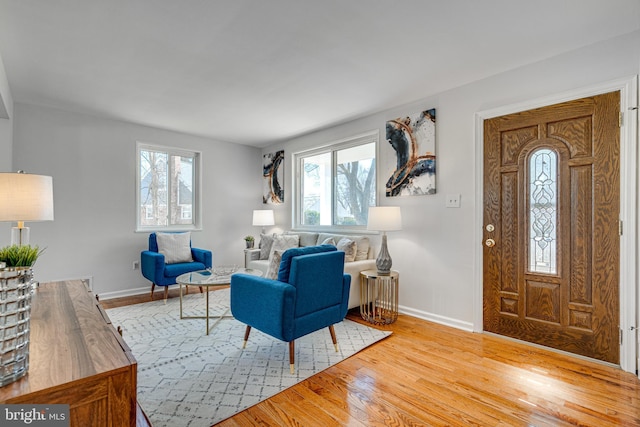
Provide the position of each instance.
(379, 297)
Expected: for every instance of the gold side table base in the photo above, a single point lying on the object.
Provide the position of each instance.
(379, 297)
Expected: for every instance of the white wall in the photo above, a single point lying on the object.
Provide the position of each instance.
(6, 124)
(6, 131)
(92, 161)
(435, 252)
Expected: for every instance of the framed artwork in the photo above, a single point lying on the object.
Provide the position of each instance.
(272, 174)
(413, 138)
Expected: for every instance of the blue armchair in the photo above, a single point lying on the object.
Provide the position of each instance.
(311, 293)
(154, 268)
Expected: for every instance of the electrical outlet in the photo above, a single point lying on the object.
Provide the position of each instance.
(452, 201)
(136, 264)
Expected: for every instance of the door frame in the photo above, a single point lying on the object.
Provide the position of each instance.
(629, 294)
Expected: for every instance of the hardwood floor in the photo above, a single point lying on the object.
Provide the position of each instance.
(427, 374)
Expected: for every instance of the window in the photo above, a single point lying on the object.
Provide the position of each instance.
(167, 194)
(543, 210)
(335, 185)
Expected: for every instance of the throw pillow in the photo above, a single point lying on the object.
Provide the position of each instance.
(281, 243)
(284, 242)
(329, 241)
(176, 247)
(266, 240)
(347, 246)
(274, 264)
(362, 247)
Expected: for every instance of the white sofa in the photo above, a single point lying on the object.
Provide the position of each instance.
(364, 260)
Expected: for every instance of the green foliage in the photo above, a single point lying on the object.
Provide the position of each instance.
(249, 238)
(311, 217)
(348, 220)
(20, 256)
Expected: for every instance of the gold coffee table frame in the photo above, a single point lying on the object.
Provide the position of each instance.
(208, 279)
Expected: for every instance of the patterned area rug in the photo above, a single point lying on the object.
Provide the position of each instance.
(188, 378)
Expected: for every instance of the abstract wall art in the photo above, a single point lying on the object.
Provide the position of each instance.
(413, 138)
(272, 173)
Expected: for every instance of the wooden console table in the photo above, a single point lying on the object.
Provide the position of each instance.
(76, 357)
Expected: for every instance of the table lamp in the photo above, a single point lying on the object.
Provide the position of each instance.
(25, 197)
(384, 218)
(262, 218)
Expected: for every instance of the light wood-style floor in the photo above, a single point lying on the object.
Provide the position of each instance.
(427, 374)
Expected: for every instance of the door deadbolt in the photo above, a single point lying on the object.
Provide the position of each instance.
(490, 243)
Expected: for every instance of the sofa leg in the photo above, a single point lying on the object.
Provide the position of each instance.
(292, 357)
(153, 286)
(333, 337)
(246, 336)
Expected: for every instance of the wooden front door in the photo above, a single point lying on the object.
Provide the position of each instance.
(551, 226)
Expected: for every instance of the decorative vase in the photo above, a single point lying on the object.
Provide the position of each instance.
(15, 312)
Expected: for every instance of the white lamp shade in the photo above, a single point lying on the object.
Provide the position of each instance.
(26, 197)
(263, 217)
(384, 218)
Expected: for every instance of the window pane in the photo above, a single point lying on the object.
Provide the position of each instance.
(181, 190)
(355, 184)
(335, 184)
(543, 208)
(316, 190)
(153, 188)
(168, 195)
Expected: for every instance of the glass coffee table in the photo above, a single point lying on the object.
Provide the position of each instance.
(209, 279)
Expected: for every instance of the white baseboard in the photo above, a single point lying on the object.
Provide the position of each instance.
(131, 292)
(447, 321)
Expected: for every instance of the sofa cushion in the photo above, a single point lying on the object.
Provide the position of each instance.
(176, 247)
(289, 254)
(306, 238)
(174, 270)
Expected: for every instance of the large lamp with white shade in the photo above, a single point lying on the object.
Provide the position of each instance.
(25, 197)
(384, 218)
(263, 218)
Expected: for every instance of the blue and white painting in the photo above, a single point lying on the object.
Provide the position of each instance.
(272, 173)
(413, 138)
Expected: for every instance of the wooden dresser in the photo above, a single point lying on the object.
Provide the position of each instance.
(76, 357)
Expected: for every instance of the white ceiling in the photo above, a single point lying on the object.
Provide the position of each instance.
(260, 71)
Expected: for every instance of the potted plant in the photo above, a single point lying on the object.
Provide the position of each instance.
(20, 256)
(249, 240)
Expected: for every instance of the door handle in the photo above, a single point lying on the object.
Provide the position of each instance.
(490, 243)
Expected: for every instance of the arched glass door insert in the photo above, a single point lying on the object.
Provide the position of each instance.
(543, 211)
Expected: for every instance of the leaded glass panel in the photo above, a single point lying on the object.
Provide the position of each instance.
(543, 211)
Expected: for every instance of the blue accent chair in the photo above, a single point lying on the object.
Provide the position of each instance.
(311, 293)
(155, 269)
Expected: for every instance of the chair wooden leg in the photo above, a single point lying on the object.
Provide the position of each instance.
(292, 357)
(246, 336)
(166, 293)
(333, 337)
(200, 289)
(153, 286)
